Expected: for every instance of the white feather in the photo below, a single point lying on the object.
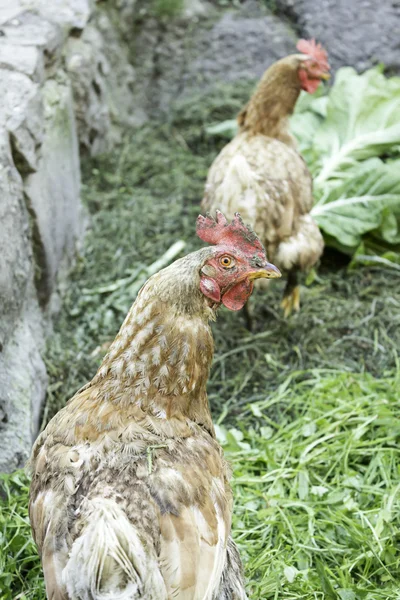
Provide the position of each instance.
(192, 565)
(108, 560)
(218, 492)
(305, 244)
(239, 189)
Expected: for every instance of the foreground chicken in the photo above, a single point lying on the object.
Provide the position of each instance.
(130, 493)
(260, 174)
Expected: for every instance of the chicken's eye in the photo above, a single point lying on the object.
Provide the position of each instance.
(226, 261)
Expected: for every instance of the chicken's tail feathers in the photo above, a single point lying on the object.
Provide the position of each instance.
(303, 248)
(109, 559)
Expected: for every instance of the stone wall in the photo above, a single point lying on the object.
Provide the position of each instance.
(53, 69)
(73, 75)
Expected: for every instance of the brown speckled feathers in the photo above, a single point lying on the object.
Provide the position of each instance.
(130, 494)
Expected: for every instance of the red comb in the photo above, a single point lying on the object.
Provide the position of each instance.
(236, 233)
(315, 50)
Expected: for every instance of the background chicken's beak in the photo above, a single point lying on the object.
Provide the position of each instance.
(325, 76)
(269, 272)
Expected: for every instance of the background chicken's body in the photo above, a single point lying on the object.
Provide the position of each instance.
(130, 491)
(260, 174)
(276, 199)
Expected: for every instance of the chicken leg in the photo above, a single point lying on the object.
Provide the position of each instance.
(291, 295)
(248, 315)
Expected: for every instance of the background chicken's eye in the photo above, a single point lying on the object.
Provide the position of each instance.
(226, 261)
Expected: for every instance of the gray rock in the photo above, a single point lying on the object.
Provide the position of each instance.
(102, 77)
(40, 210)
(9, 10)
(40, 222)
(360, 33)
(22, 374)
(25, 59)
(88, 69)
(16, 268)
(22, 117)
(70, 14)
(200, 52)
(119, 75)
(30, 29)
(240, 46)
(23, 383)
(52, 191)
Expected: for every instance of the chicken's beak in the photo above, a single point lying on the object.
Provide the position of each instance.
(269, 271)
(325, 76)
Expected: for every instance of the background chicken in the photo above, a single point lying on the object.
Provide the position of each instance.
(260, 174)
(130, 493)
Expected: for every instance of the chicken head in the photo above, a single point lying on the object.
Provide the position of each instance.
(238, 260)
(314, 67)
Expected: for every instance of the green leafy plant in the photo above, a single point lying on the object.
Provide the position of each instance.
(367, 200)
(356, 186)
(362, 121)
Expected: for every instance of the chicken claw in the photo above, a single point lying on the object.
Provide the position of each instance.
(291, 301)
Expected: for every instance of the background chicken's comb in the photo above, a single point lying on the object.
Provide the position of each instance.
(315, 50)
(236, 233)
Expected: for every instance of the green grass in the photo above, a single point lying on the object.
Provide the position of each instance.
(20, 569)
(317, 488)
(167, 8)
(307, 409)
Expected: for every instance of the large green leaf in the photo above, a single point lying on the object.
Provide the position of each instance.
(304, 126)
(366, 201)
(227, 129)
(353, 156)
(362, 121)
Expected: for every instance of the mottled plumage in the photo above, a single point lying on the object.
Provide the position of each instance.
(130, 494)
(261, 175)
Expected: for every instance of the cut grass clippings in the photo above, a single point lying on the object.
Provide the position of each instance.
(317, 488)
(307, 409)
